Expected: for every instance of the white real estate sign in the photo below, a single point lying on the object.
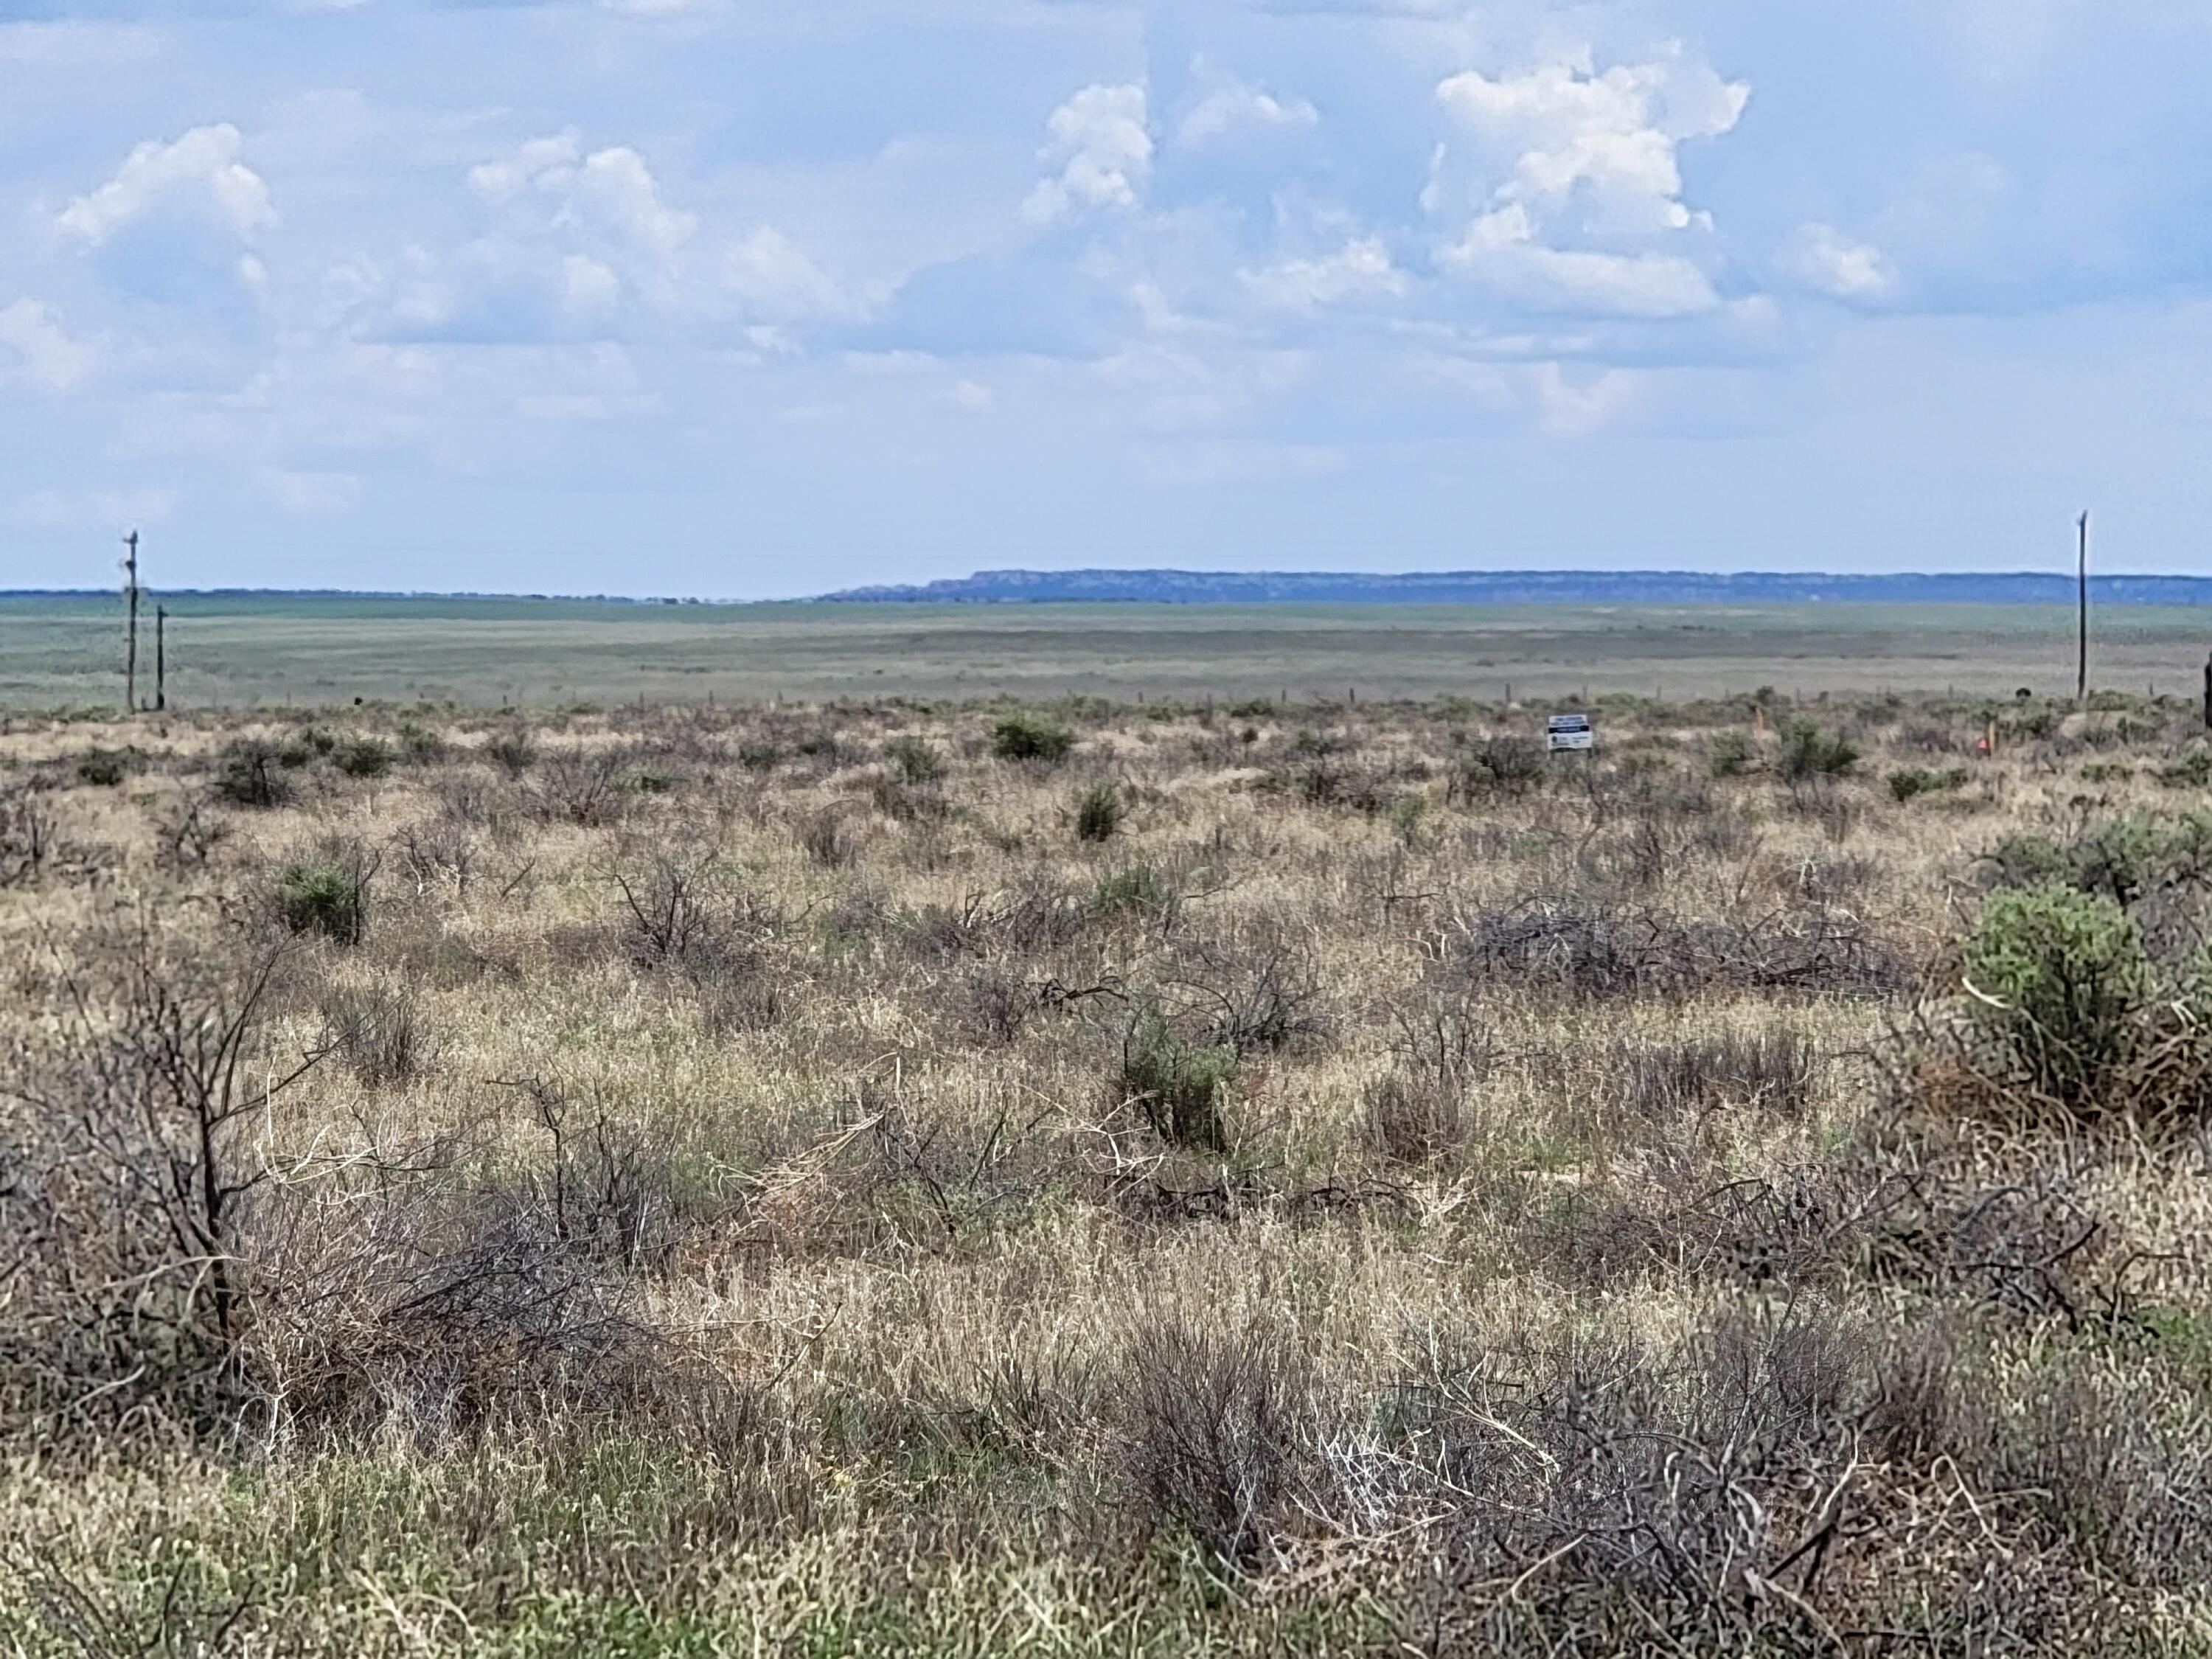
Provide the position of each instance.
(1569, 732)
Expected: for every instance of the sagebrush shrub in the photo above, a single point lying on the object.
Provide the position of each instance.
(1099, 810)
(512, 750)
(103, 768)
(26, 836)
(914, 761)
(1913, 780)
(325, 896)
(1135, 889)
(1497, 766)
(1728, 755)
(1178, 1086)
(1213, 1443)
(2058, 976)
(1807, 752)
(824, 838)
(309, 746)
(421, 744)
(250, 774)
(363, 756)
(2124, 859)
(1025, 737)
(379, 1030)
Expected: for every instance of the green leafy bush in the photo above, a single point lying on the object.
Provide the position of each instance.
(1913, 781)
(250, 774)
(1729, 754)
(1136, 888)
(1807, 752)
(311, 744)
(325, 896)
(1099, 810)
(512, 750)
(422, 745)
(1178, 1086)
(1026, 738)
(103, 768)
(2192, 771)
(2058, 978)
(2123, 859)
(914, 761)
(1497, 766)
(363, 756)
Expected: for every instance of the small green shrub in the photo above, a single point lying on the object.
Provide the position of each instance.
(2106, 772)
(1497, 766)
(1136, 888)
(1807, 752)
(250, 774)
(325, 896)
(1179, 1086)
(652, 777)
(363, 756)
(2123, 858)
(1026, 738)
(421, 744)
(103, 768)
(512, 750)
(914, 761)
(1099, 810)
(1913, 780)
(2190, 771)
(1729, 754)
(2059, 977)
(309, 746)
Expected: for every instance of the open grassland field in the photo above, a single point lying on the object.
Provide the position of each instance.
(1104, 1179)
(308, 652)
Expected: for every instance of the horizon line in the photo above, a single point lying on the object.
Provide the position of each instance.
(925, 591)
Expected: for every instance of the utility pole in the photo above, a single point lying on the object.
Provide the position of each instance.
(131, 649)
(2081, 673)
(160, 658)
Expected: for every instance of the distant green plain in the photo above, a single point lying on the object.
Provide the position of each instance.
(246, 651)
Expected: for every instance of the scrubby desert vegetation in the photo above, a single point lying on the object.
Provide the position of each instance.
(1106, 1180)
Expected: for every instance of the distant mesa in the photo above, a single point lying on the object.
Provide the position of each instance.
(1532, 587)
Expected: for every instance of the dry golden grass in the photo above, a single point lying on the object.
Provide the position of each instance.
(723, 1212)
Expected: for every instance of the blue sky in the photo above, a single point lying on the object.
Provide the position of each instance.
(752, 298)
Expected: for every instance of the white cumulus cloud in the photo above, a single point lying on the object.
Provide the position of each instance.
(588, 288)
(1234, 107)
(1103, 149)
(615, 191)
(1360, 270)
(200, 172)
(33, 334)
(585, 243)
(1602, 144)
(1842, 267)
(547, 165)
(773, 280)
(1573, 181)
(609, 197)
(1501, 251)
